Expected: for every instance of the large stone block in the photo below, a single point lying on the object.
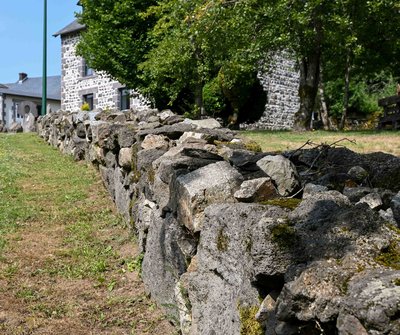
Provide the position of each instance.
(283, 173)
(237, 261)
(214, 183)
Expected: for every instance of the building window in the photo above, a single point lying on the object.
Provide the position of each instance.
(124, 99)
(88, 99)
(87, 71)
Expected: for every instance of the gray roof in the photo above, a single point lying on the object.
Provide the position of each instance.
(32, 87)
(71, 28)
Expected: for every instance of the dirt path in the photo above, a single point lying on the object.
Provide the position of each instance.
(67, 264)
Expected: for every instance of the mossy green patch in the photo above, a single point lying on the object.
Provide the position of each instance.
(249, 325)
(249, 145)
(290, 203)
(397, 281)
(284, 235)
(222, 240)
(394, 228)
(391, 256)
(151, 175)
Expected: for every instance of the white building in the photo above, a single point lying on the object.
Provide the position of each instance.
(24, 96)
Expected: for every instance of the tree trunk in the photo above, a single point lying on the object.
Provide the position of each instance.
(326, 122)
(346, 92)
(308, 88)
(198, 99)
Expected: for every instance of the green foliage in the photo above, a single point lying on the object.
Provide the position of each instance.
(182, 53)
(290, 203)
(85, 107)
(364, 94)
(214, 100)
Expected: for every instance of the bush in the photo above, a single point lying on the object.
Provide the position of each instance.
(85, 107)
(364, 94)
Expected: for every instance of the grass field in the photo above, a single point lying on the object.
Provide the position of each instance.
(67, 263)
(361, 141)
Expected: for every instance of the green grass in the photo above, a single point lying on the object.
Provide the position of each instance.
(64, 253)
(365, 141)
(38, 184)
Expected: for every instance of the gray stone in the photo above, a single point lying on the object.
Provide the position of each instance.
(80, 130)
(235, 256)
(143, 213)
(122, 195)
(282, 172)
(173, 119)
(191, 136)
(395, 206)
(173, 132)
(286, 328)
(29, 123)
(148, 125)
(15, 128)
(78, 148)
(356, 193)
(155, 142)
(214, 183)
(373, 200)
(165, 114)
(110, 159)
(374, 299)
(126, 136)
(256, 190)
(100, 132)
(358, 174)
(163, 262)
(387, 215)
(266, 314)
(125, 158)
(347, 324)
(153, 118)
(311, 189)
(81, 117)
(206, 123)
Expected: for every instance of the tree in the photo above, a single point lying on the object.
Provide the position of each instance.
(116, 39)
(172, 49)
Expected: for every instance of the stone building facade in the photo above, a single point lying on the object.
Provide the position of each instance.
(281, 83)
(80, 84)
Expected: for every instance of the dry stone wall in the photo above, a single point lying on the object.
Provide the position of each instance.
(236, 241)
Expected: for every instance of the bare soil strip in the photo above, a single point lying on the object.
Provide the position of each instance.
(67, 263)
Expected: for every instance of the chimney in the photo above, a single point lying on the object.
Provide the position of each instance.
(22, 77)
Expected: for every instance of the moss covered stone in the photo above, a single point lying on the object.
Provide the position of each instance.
(284, 235)
(222, 241)
(249, 324)
(391, 256)
(290, 203)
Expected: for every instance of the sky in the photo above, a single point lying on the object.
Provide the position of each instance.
(21, 36)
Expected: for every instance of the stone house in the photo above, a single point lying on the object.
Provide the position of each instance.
(80, 84)
(19, 99)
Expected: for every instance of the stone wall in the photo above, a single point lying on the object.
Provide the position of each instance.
(236, 241)
(75, 84)
(281, 83)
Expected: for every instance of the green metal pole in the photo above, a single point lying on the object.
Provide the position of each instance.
(44, 77)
